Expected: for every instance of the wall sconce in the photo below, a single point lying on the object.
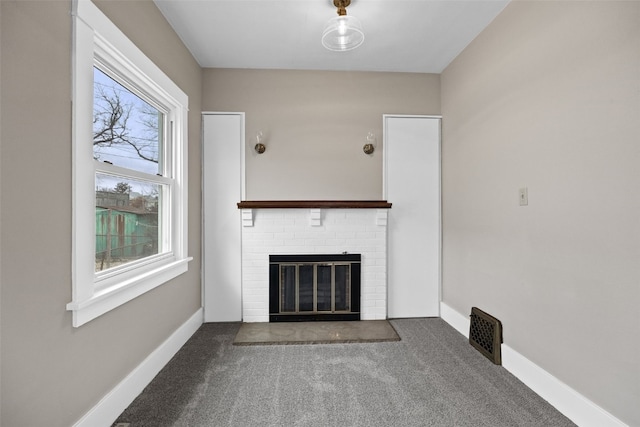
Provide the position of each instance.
(370, 146)
(260, 147)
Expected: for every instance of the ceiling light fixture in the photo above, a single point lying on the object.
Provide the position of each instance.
(343, 32)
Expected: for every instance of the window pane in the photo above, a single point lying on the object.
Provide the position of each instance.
(305, 287)
(324, 287)
(288, 288)
(343, 290)
(127, 131)
(126, 220)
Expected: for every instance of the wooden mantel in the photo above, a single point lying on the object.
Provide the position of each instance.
(314, 204)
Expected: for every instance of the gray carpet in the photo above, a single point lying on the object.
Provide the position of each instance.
(432, 377)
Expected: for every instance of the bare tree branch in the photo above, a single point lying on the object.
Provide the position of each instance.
(111, 125)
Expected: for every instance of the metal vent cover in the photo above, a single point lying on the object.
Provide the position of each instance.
(485, 335)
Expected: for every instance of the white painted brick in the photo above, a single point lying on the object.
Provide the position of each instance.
(336, 242)
(287, 235)
(373, 269)
(304, 234)
(250, 297)
(256, 319)
(251, 305)
(256, 311)
(287, 231)
(315, 242)
(295, 215)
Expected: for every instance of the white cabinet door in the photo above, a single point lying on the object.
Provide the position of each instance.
(222, 171)
(412, 185)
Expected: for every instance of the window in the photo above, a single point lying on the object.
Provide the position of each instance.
(128, 132)
(129, 176)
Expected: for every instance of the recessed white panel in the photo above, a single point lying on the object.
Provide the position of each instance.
(412, 185)
(223, 139)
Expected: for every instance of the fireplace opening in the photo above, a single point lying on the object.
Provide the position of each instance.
(314, 287)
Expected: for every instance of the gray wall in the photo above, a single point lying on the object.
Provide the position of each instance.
(548, 97)
(316, 123)
(52, 373)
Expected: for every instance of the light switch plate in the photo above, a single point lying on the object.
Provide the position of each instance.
(524, 196)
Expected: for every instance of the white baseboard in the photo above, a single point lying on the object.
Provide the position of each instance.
(458, 321)
(118, 399)
(569, 402)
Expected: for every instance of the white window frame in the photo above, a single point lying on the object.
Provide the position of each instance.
(97, 40)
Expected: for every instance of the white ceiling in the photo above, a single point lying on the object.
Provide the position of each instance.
(421, 36)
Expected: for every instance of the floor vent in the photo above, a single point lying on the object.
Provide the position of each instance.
(485, 334)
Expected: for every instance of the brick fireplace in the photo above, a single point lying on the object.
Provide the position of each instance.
(271, 228)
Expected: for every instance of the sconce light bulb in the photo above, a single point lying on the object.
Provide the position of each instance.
(370, 146)
(260, 147)
(371, 138)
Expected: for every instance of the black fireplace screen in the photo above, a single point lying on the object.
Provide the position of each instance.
(314, 287)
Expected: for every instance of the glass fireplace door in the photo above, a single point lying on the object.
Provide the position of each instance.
(315, 288)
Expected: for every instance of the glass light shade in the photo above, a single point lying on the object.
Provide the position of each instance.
(342, 33)
(371, 138)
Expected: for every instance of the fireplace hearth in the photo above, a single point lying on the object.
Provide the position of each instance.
(314, 287)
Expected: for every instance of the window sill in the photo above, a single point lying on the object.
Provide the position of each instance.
(114, 296)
